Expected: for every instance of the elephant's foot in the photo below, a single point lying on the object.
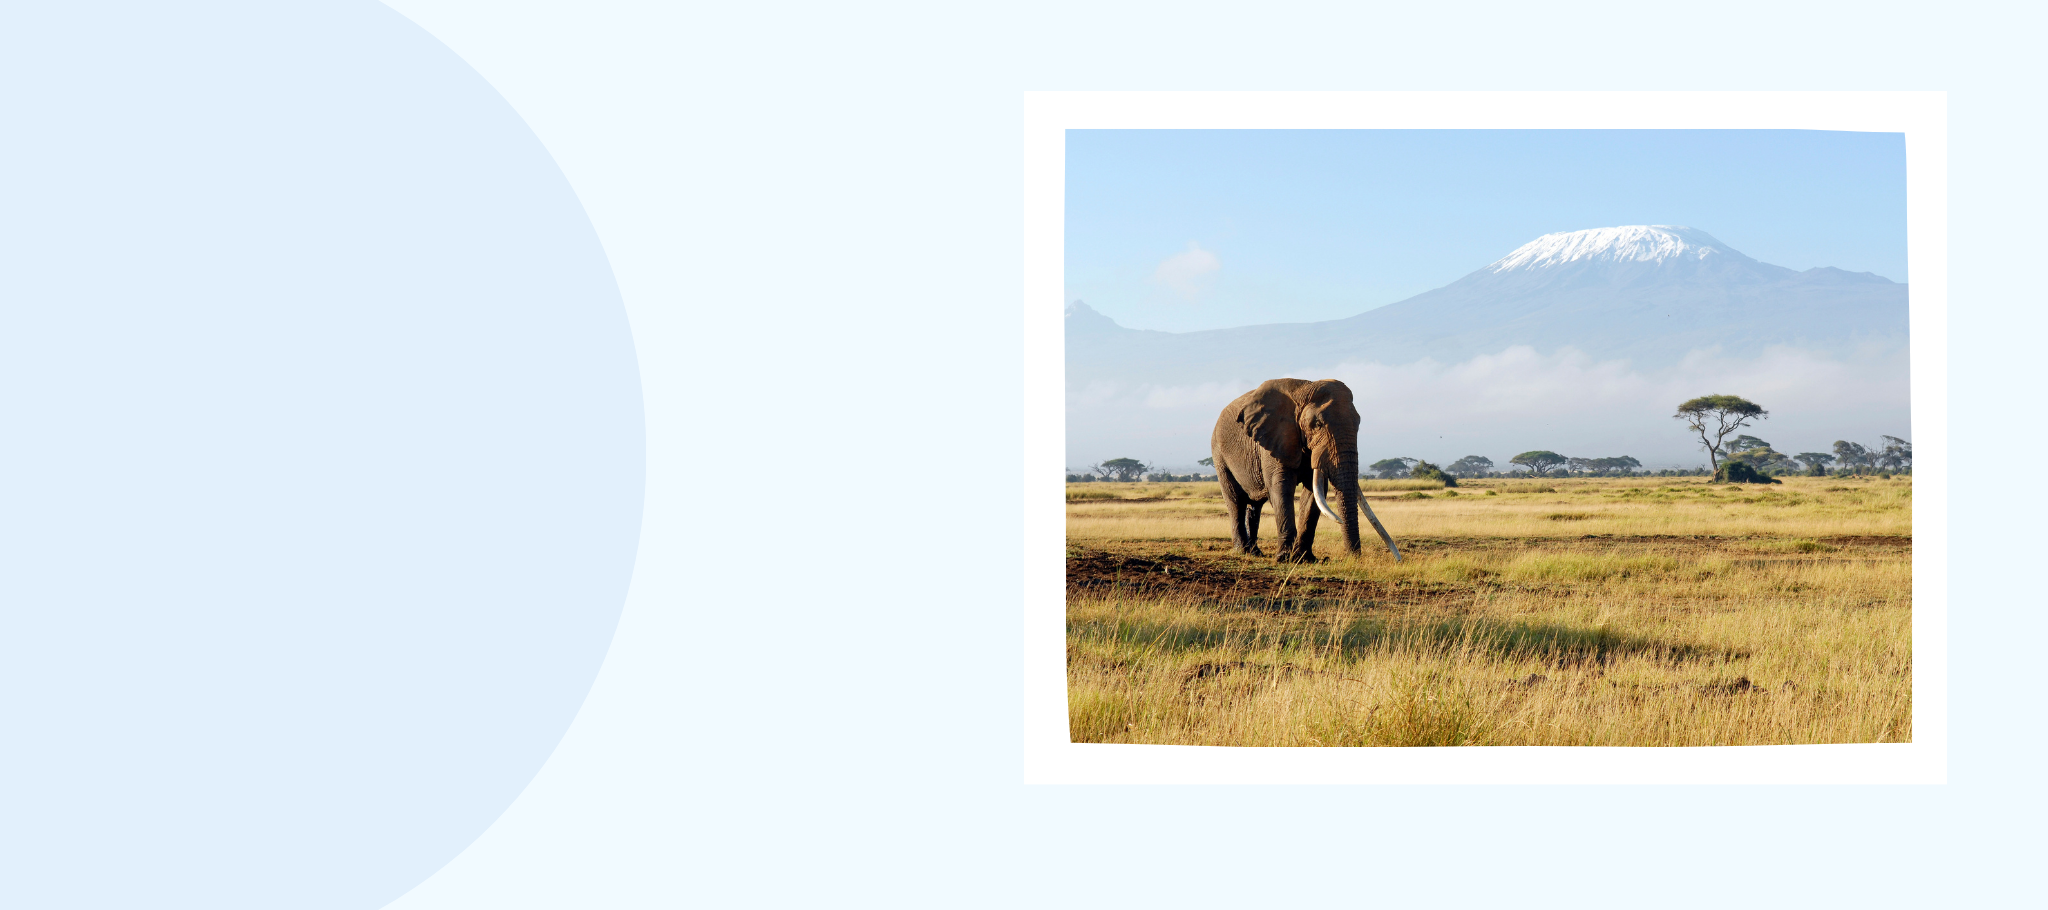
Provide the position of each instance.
(1298, 556)
(1249, 551)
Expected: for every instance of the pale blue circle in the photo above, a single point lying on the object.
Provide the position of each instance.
(321, 472)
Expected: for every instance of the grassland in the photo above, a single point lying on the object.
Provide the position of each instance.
(1624, 612)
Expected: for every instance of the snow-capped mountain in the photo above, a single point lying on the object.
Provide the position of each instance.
(1629, 243)
(1646, 293)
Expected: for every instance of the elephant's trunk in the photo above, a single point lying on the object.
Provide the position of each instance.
(1354, 503)
(1346, 480)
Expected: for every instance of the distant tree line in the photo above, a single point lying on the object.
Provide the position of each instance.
(1130, 470)
(1545, 463)
(1714, 418)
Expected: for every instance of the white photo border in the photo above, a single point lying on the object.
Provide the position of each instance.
(1048, 755)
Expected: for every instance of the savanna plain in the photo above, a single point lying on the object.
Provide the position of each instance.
(1639, 611)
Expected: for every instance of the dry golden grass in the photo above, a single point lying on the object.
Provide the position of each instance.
(1139, 492)
(1768, 615)
(1636, 507)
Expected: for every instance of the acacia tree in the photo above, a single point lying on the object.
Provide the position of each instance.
(1896, 454)
(1471, 466)
(1122, 469)
(1390, 468)
(1612, 465)
(1621, 464)
(1762, 456)
(1816, 462)
(1716, 416)
(1851, 454)
(1538, 461)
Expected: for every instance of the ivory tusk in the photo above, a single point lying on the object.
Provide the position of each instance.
(1375, 519)
(1321, 488)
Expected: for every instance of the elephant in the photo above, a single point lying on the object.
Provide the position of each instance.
(1283, 434)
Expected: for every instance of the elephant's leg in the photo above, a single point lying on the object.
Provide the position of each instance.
(1280, 492)
(1305, 542)
(1235, 498)
(1239, 543)
(1251, 526)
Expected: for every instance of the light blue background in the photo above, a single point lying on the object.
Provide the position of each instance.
(832, 194)
(851, 178)
(322, 461)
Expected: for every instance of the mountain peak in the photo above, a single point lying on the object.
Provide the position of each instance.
(1627, 243)
(1084, 318)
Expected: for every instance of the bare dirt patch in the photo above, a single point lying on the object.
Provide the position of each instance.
(1156, 573)
(1208, 570)
(1253, 583)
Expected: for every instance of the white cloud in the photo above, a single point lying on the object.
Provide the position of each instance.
(1188, 273)
(1212, 395)
(1500, 404)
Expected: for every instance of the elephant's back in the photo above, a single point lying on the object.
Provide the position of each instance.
(1233, 449)
(1227, 424)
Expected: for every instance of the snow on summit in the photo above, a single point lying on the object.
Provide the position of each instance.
(1628, 243)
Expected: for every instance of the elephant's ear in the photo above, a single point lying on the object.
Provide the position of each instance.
(1268, 418)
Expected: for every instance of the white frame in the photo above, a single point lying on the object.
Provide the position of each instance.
(1050, 758)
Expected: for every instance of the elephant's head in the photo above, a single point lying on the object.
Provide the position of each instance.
(1315, 422)
(1329, 430)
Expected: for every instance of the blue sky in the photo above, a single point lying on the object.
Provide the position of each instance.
(1195, 229)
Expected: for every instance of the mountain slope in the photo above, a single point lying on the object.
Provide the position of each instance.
(1645, 293)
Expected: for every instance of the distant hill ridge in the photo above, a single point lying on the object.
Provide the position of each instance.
(1645, 293)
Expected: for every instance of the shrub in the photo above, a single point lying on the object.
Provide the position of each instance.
(1426, 471)
(1741, 472)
